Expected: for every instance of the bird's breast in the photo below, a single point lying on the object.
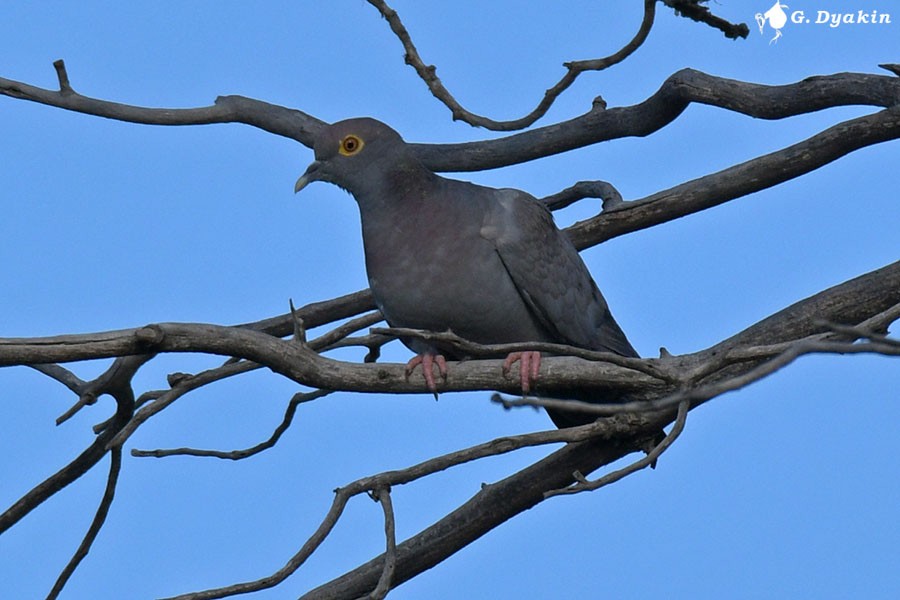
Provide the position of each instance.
(437, 274)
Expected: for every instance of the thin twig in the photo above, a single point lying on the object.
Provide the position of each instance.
(184, 386)
(583, 485)
(333, 338)
(341, 498)
(610, 196)
(297, 399)
(115, 466)
(115, 381)
(383, 496)
(65, 87)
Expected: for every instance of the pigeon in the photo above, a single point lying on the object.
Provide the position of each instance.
(444, 254)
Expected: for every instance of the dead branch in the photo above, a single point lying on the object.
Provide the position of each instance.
(428, 73)
(298, 399)
(303, 365)
(858, 309)
(597, 125)
(692, 9)
(403, 476)
(673, 97)
(448, 339)
(740, 180)
(383, 496)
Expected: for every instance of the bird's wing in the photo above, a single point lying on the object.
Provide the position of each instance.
(549, 274)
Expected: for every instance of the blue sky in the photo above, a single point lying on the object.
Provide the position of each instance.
(786, 489)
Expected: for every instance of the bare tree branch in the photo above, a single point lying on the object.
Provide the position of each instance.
(298, 398)
(306, 367)
(740, 180)
(448, 339)
(62, 375)
(597, 125)
(674, 96)
(275, 119)
(399, 477)
(383, 496)
(428, 73)
(693, 10)
(585, 189)
(773, 358)
(583, 485)
(605, 441)
(116, 381)
(831, 321)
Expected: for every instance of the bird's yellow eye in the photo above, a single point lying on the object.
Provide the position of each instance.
(350, 145)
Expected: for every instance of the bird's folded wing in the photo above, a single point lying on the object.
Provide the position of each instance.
(550, 275)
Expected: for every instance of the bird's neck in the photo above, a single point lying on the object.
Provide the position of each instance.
(400, 192)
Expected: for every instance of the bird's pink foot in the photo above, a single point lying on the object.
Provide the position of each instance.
(428, 361)
(529, 367)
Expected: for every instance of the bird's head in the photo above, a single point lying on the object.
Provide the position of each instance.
(351, 154)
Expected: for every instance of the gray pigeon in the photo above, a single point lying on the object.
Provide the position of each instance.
(488, 264)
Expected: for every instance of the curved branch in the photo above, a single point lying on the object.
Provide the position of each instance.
(597, 125)
(676, 93)
(428, 73)
(606, 430)
(298, 399)
(491, 506)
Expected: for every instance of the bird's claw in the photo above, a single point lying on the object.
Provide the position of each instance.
(428, 361)
(529, 367)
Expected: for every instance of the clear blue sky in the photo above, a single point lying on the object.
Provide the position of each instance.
(787, 489)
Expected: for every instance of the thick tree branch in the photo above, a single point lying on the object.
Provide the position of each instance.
(597, 125)
(740, 180)
(858, 299)
(868, 295)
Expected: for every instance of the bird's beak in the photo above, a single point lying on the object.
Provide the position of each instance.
(310, 175)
